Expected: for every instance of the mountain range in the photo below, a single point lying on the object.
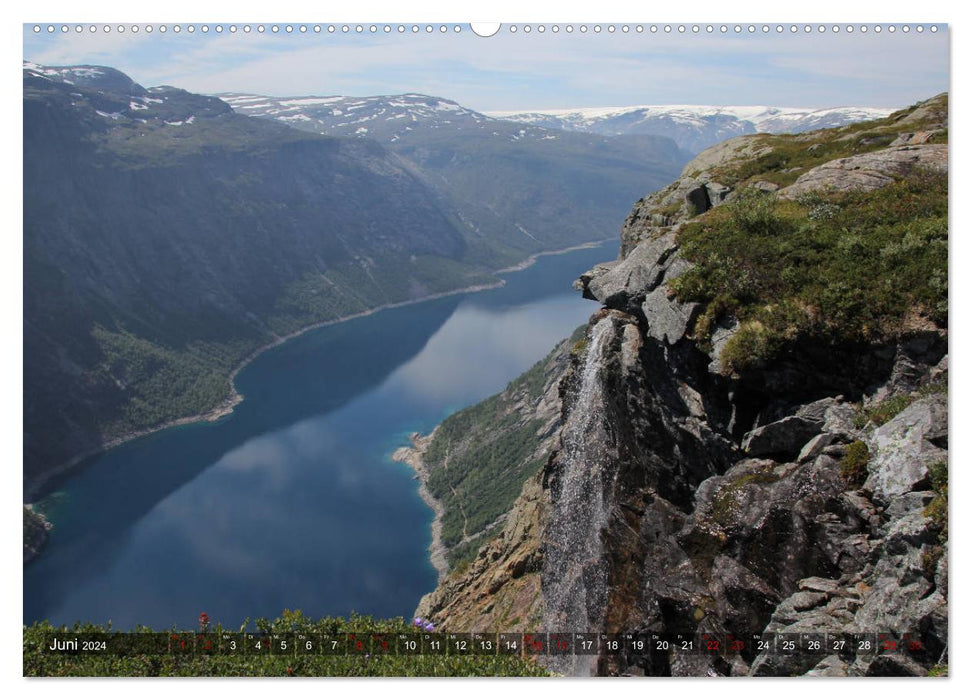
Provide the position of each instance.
(518, 184)
(167, 237)
(693, 127)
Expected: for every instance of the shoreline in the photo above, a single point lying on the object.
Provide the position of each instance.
(531, 260)
(412, 455)
(35, 488)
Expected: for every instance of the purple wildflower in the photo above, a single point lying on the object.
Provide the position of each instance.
(418, 622)
(429, 627)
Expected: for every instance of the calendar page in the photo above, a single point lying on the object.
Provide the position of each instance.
(427, 348)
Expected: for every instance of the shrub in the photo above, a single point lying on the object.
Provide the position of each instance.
(881, 412)
(854, 462)
(849, 267)
(748, 348)
(754, 212)
(937, 509)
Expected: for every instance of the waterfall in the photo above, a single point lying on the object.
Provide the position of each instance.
(574, 578)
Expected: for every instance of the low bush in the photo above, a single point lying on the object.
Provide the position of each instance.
(854, 462)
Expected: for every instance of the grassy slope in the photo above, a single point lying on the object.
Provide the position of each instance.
(857, 266)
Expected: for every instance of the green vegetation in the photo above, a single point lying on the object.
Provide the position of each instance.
(37, 663)
(481, 482)
(882, 411)
(163, 383)
(482, 455)
(461, 555)
(936, 510)
(853, 463)
(837, 267)
(783, 158)
(938, 671)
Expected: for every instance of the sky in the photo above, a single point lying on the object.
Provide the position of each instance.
(520, 71)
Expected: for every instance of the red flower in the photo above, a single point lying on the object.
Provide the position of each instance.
(203, 622)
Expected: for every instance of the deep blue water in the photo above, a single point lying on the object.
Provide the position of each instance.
(292, 501)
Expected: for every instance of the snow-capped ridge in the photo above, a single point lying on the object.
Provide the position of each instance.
(693, 127)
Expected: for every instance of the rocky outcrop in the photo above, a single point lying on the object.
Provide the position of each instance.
(681, 497)
(36, 527)
(500, 589)
(869, 171)
(904, 448)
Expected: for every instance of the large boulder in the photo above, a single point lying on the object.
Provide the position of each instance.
(667, 319)
(784, 437)
(903, 448)
(703, 197)
(634, 276)
(868, 171)
(727, 152)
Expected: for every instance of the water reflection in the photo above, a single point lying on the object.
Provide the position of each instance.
(480, 348)
(291, 502)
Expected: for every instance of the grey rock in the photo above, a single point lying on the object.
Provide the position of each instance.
(902, 450)
(738, 148)
(939, 371)
(859, 504)
(697, 200)
(719, 338)
(868, 171)
(830, 667)
(933, 110)
(675, 267)
(765, 186)
(597, 271)
(820, 585)
(940, 575)
(815, 447)
(667, 319)
(806, 600)
(836, 450)
(717, 193)
(908, 504)
(816, 411)
(915, 137)
(894, 665)
(783, 437)
(839, 420)
(908, 533)
(636, 275)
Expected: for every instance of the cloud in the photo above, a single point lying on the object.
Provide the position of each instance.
(518, 71)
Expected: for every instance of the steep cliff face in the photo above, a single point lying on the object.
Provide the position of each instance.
(480, 467)
(166, 238)
(755, 438)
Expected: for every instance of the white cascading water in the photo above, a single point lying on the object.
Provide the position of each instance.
(574, 579)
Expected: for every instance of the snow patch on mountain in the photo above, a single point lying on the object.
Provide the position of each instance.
(693, 127)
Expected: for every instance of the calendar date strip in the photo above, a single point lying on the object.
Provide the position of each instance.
(498, 643)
